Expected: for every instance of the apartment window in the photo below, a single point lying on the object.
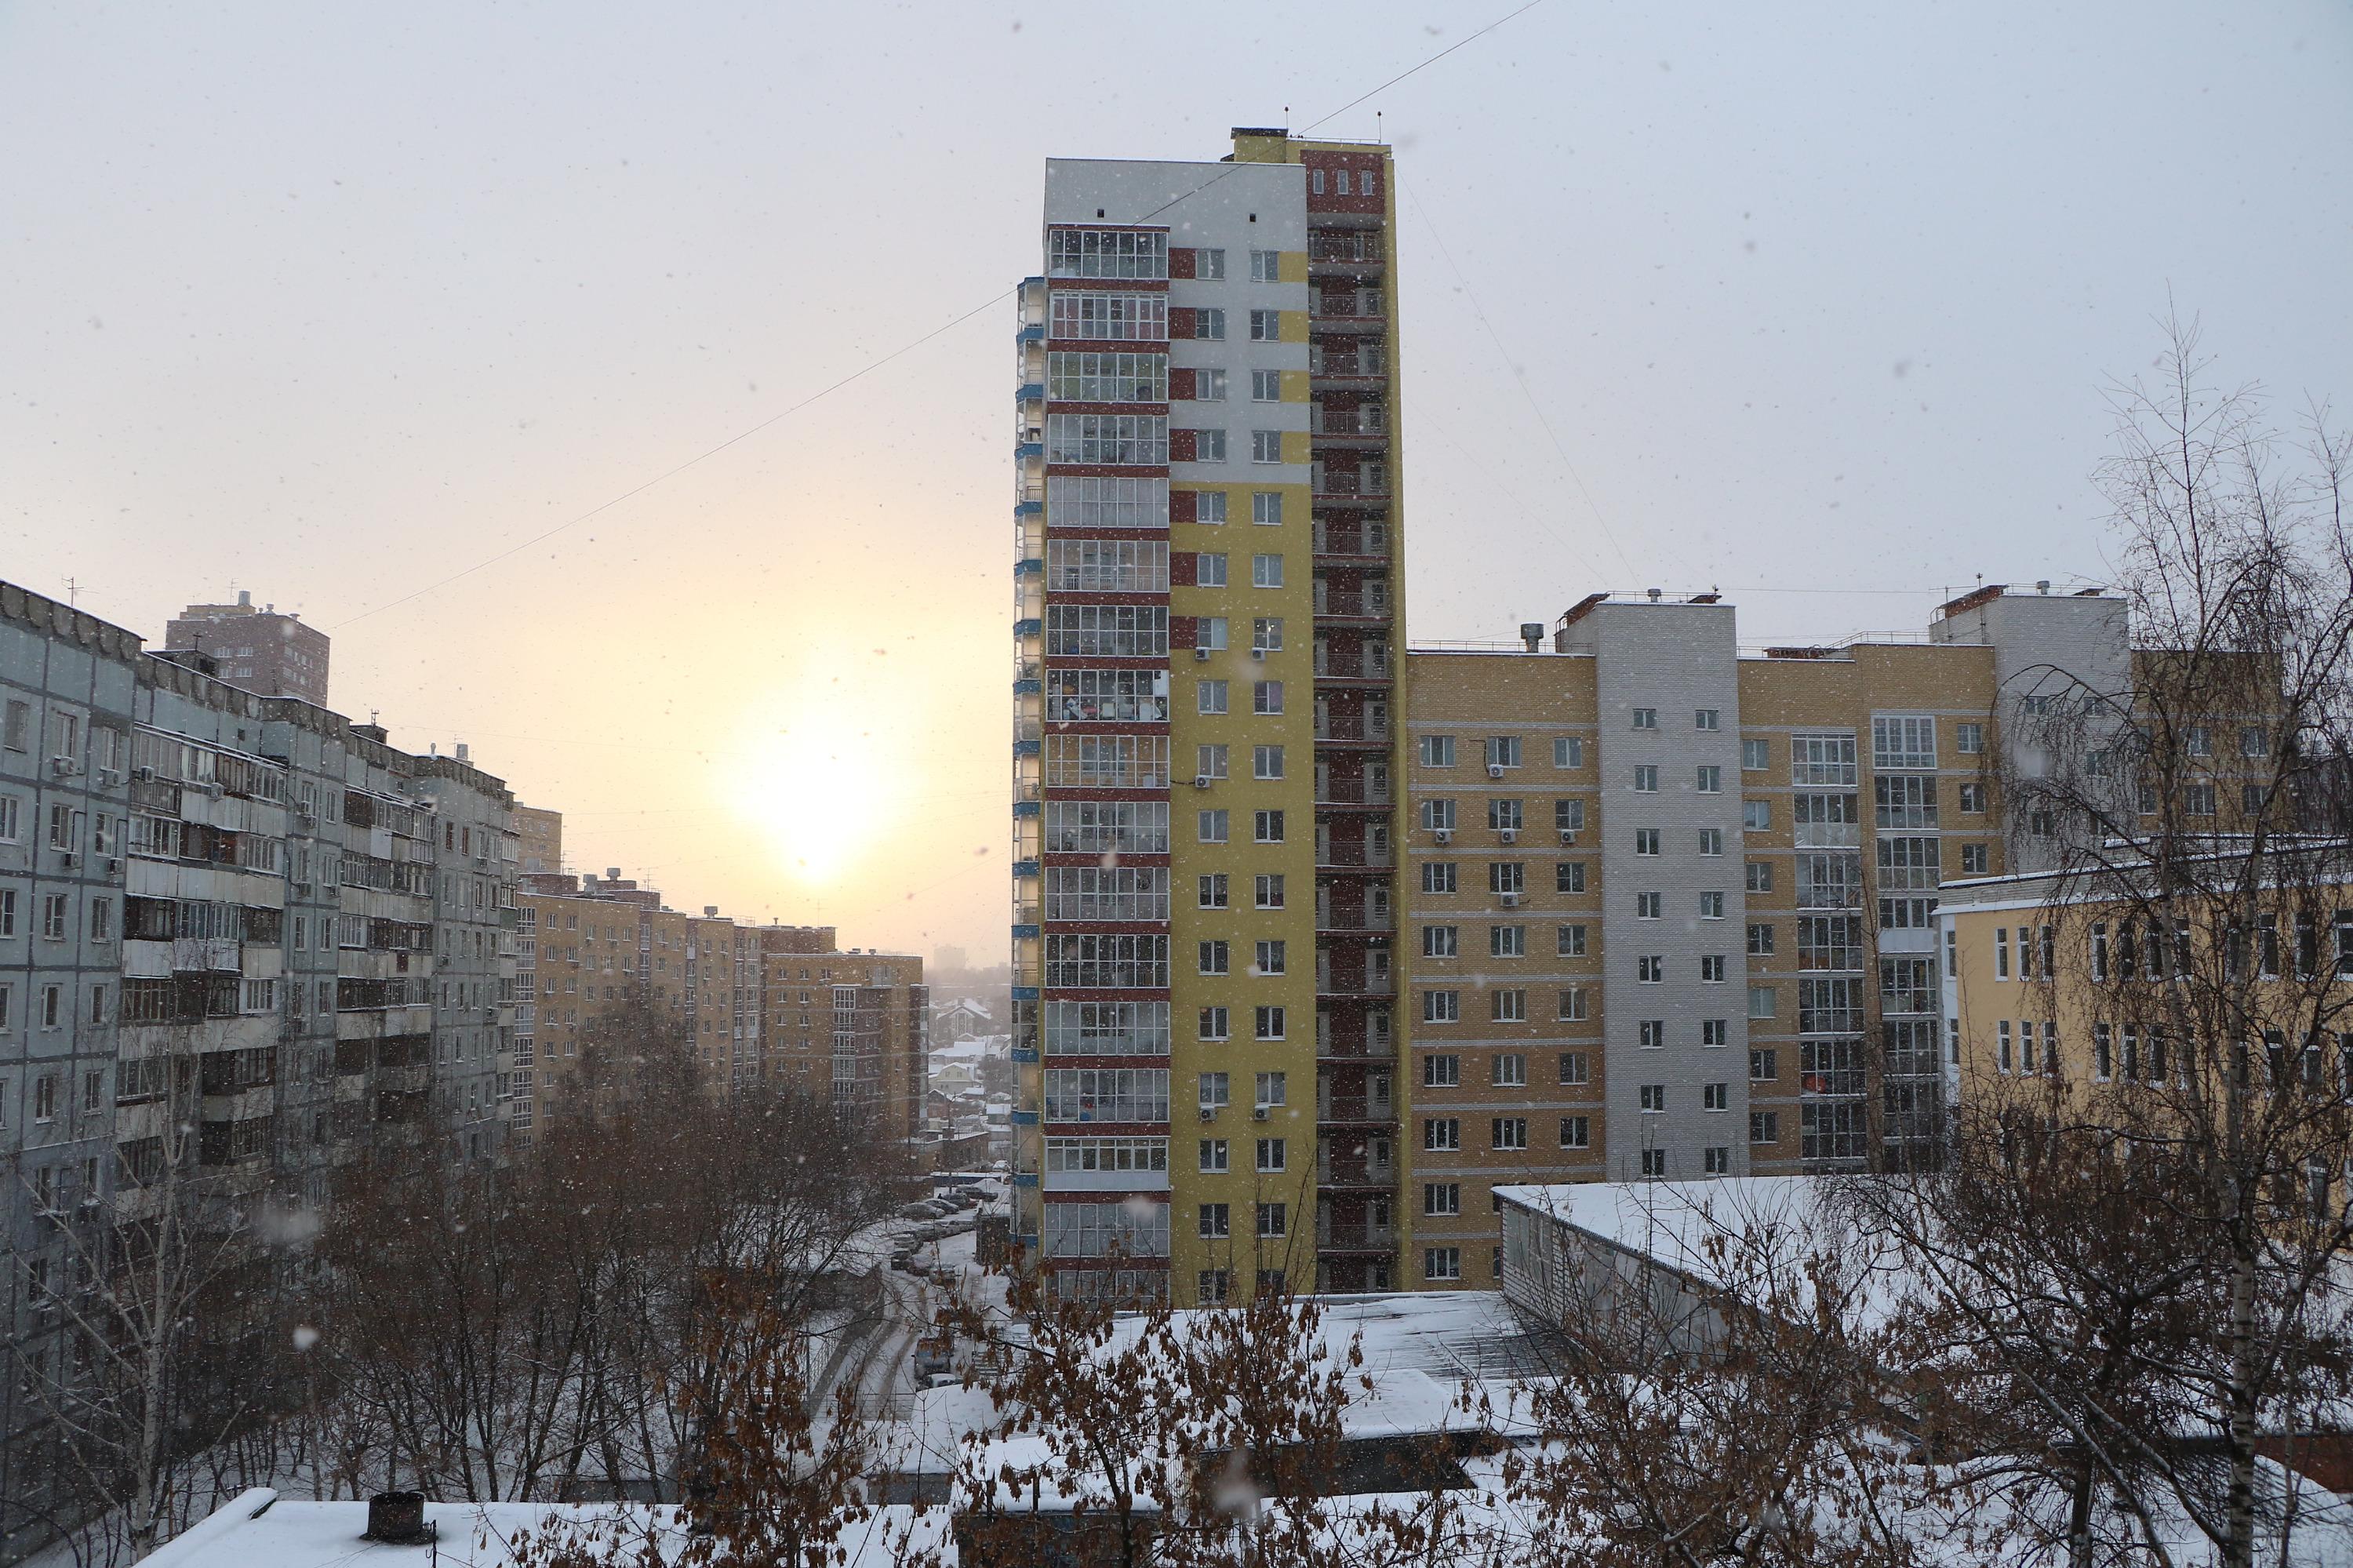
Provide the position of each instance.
(1646, 779)
(1210, 827)
(1213, 1156)
(1760, 876)
(1760, 940)
(1442, 1263)
(1575, 1132)
(1211, 323)
(1646, 841)
(1273, 1155)
(1211, 891)
(101, 919)
(1266, 326)
(1208, 386)
(1269, 1022)
(52, 1006)
(17, 731)
(1968, 739)
(2253, 742)
(1572, 1004)
(1972, 801)
(1975, 858)
(1651, 1033)
(2199, 741)
(1209, 696)
(1266, 386)
(1716, 1096)
(1266, 572)
(1442, 1070)
(1507, 941)
(1266, 446)
(1271, 957)
(1503, 813)
(1707, 719)
(1508, 1070)
(1654, 1098)
(1755, 816)
(1266, 508)
(1711, 905)
(12, 824)
(1646, 719)
(1438, 815)
(53, 916)
(1437, 751)
(1711, 841)
(1210, 571)
(1711, 969)
(1760, 1001)
(1215, 1221)
(1214, 1026)
(1507, 876)
(1269, 887)
(1437, 876)
(1764, 1126)
(1503, 751)
(1569, 877)
(1209, 761)
(1267, 827)
(1651, 968)
(1439, 1199)
(1755, 756)
(1576, 1068)
(1266, 762)
(1763, 1065)
(1209, 446)
(1508, 1006)
(1215, 958)
(1568, 751)
(1506, 1133)
(1210, 505)
(1571, 941)
(1649, 906)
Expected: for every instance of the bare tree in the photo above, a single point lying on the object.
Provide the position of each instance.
(1744, 1396)
(164, 1309)
(2160, 1256)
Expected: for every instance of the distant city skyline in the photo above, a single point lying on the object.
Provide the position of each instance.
(337, 310)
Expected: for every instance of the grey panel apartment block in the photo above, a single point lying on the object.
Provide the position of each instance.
(66, 695)
(1678, 664)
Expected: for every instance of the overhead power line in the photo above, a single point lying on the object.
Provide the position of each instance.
(871, 365)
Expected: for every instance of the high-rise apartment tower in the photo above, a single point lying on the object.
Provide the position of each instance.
(1208, 584)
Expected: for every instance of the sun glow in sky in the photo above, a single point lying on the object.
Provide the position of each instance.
(815, 786)
(1800, 301)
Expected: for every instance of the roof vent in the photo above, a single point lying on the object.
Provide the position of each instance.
(2043, 587)
(1531, 633)
(397, 1519)
(1656, 595)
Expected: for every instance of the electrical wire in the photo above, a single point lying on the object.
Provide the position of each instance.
(872, 366)
(742, 435)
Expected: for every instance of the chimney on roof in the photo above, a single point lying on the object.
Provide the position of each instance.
(243, 599)
(711, 911)
(612, 873)
(464, 754)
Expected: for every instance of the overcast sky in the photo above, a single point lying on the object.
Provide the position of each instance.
(332, 302)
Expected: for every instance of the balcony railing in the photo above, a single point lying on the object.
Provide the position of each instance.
(1369, 542)
(1358, 1235)
(1363, 605)
(1351, 792)
(1365, 1044)
(1375, 982)
(1353, 1107)
(1330, 920)
(1353, 856)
